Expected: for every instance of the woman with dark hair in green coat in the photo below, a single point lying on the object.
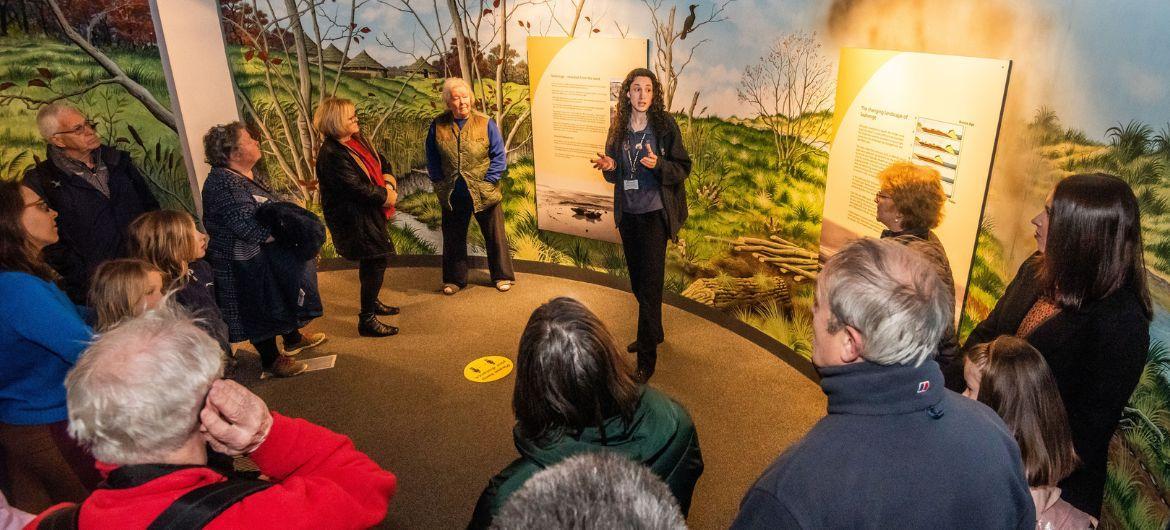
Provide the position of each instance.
(575, 394)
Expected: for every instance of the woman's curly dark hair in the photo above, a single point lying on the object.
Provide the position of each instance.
(659, 119)
(220, 141)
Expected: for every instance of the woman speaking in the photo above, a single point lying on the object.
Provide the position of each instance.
(645, 159)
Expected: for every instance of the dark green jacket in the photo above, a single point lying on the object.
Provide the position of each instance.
(661, 436)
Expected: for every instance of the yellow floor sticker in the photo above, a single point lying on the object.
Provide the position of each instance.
(487, 369)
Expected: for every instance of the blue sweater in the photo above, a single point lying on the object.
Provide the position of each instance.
(41, 336)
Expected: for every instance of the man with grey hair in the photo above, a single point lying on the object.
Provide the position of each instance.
(897, 449)
(592, 491)
(146, 398)
(95, 189)
(465, 161)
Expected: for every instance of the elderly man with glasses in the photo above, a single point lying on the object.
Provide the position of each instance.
(96, 190)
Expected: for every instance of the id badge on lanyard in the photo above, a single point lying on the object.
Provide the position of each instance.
(630, 183)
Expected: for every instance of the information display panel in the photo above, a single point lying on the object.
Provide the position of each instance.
(575, 88)
(938, 111)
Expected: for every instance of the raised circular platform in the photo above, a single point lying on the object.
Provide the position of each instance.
(405, 402)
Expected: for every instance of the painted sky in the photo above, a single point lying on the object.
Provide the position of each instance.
(1112, 63)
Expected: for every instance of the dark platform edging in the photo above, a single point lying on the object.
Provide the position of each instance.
(734, 325)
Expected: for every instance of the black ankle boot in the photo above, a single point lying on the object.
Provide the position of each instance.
(370, 326)
(384, 310)
(646, 362)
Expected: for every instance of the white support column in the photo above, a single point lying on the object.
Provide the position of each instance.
(194, 58)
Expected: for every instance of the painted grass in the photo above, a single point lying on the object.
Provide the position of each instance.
(154, 146)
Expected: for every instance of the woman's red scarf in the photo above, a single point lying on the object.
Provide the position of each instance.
(372, 166)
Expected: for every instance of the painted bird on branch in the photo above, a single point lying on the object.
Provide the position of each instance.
(688, 24)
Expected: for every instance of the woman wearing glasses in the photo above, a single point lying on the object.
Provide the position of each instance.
(41, 336)
(910, 204)
(97, 190)
(357, 197)
(249, 287)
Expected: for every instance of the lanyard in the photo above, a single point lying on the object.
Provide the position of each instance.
(633, 156)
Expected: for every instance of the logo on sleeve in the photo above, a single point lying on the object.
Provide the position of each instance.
(923, 387)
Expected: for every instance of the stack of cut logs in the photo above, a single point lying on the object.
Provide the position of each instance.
(799, 262)
(726, 292)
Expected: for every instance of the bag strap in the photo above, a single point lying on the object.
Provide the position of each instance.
(67, 518)
(200, 506)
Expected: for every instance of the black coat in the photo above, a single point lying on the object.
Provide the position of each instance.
(1096, 355)
(671, 171)
(352, 203)
(92, 227)
(297, 229)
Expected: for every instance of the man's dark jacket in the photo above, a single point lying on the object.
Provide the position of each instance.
(92, 226)
(897, 450)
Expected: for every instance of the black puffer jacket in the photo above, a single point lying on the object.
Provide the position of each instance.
(293, 227)
(352, 203)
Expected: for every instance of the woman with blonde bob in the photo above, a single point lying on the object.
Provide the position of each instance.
(170, 241)
(910, 203)
(1010, 376)
(357, 197)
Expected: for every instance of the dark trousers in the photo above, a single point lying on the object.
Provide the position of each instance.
(371, 274)
(44, 466)
(491, 224)
(644, 243)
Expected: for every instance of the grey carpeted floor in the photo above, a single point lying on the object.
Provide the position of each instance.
(405, 402)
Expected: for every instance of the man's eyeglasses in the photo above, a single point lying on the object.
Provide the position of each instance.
(89, 125)
(40, 205)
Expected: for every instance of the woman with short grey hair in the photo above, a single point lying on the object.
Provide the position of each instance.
(248, 290)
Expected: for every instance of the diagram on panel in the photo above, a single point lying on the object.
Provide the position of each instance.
(938, 145)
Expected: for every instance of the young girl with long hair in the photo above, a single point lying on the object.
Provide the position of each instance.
(170, 241)
(1010, 376)
(122, 289)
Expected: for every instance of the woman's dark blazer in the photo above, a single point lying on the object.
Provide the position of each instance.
(1096, 355)
(672, 170)
(352, 203)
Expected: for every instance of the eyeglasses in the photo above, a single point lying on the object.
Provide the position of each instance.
(40, 205)
(88, 125)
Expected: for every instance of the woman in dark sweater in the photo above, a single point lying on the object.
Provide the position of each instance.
(357, 197)
(256, 303)
(910, 203)
(1082, 302)
(646, 160)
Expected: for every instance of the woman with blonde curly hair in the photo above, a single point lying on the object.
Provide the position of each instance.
(910, 203)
